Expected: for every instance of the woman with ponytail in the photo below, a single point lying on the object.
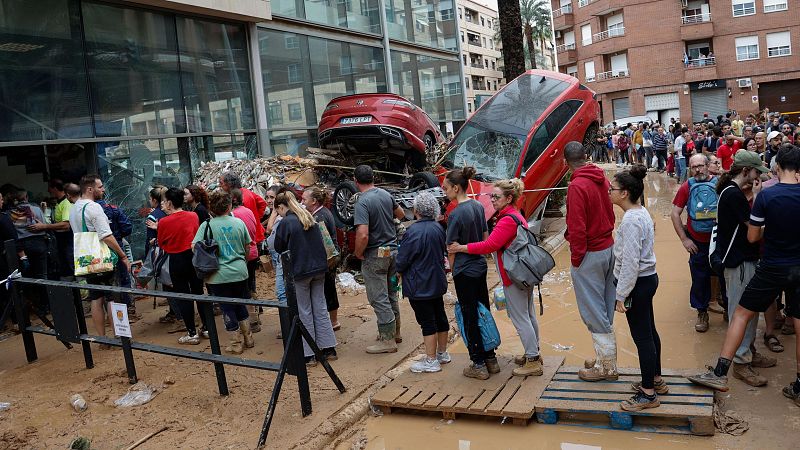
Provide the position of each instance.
(637, 282)
(300, 234)
(503, 225)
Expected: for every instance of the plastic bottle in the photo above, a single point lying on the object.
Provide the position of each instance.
(78, 403)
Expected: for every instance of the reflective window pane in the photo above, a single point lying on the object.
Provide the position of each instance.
(215, 75)
(440, 85)
(358, 15)
(293, 142)
(404, 73)
(43, 87)
(133, 70)
(425, 22)
(287, 78)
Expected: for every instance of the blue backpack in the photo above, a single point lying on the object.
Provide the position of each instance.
(702, 206)
(489, 333)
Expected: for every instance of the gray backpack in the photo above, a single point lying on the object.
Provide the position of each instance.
(525, 262)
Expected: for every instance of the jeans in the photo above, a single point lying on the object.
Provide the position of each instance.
(700, 270)
(232, 314)
(280, 286)
(313, 312)
(680, 168)
(643, 328)
(595, 291)
(736, 280)
(648, 152)
(381, 293)
(471, 291)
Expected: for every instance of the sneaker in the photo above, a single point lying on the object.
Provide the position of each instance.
(763, 361)
(746, 373)
(167, 318)
(443, 357)
(203, 333)
(329, 354)
(492, 366)
(660, 387)
(702, 322)
(640, 401)
(709, 379)
(189, 339)
(788, 392)
(478, 372)
(426, 365)
(311, 361)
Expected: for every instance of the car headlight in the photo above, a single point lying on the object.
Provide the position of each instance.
(331, 106)
(403, 103)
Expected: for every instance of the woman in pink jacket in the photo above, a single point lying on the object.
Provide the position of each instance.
(520, 302)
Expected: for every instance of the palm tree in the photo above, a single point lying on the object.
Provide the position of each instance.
(511, 38)
(542, 29)
(535, 18)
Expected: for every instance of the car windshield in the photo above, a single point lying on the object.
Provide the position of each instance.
(493, 138)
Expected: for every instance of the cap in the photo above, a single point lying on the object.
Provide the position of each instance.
(772, 135)
(743, 158)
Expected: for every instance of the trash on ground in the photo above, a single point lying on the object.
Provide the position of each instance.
(138, 394)
(78, 403)
(347, 284)
(562, 348)
(4, 406)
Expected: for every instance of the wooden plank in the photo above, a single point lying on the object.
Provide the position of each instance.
(684, 411)
(625, 388)
(410, 394)
(434, 401)
(616, 396)
(388, 393)
(467, 400)
(500, 401)
(480, 404)
(423, 397)
(523, 403)
(450, 402)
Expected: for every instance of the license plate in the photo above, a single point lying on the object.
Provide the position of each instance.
(353, 120)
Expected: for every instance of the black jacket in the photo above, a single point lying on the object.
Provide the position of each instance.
(305, 247)
(420, 260)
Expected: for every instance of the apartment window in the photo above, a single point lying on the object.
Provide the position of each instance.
(293, 73)
(746, 48)
(460, 14)
(588, 69)
(483, 22)
(291, 41)
(779, 44)
(493, 66)
(484, 42)
(775, 5)
(466, 82)
(295, 112)
(586, 34)
(572, 71)
(744, 8)
(275, 113)
(489, 23)
(469, 107)
(462, 36)
(465, 59)
(491, 44)
(485, 63)
(447, 14)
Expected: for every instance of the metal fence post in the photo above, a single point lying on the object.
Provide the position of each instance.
(23, 321)
(87, 349)
(127, 352)
(295, 347)
(206, 310)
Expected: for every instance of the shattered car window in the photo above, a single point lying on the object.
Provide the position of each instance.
(493, 138)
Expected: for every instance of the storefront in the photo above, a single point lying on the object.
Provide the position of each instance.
(780, 96)
(709, 97)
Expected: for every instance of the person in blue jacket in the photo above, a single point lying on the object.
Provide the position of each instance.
(420, 261)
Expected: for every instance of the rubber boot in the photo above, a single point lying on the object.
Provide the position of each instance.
(247, 335)
(386, 343)
(235, 345)
(397, 337)
(255, 318)
(605, 367)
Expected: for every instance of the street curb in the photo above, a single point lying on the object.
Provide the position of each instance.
(554, 243)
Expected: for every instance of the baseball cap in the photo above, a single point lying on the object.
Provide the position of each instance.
(772, 135)
(743, 158)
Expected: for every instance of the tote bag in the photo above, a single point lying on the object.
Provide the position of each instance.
(489, 333)
(91, 254)
(331, 253)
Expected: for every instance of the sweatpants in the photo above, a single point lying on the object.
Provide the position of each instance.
(522, 312)
(595, 291)
(643, 328)
(470, 292)
(313, 312)
(736, 280)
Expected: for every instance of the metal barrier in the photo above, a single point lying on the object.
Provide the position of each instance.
(70, 327)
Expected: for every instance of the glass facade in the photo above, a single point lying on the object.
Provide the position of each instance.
(434, 82)
(356, 15)
(425, 22)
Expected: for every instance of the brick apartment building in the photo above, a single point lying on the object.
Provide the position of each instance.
(679, 58)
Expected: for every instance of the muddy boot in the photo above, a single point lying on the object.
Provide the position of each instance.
(397, 337)
(255, 317)
(386, 343)
(477, 372)
(235, 345)
(605, 367)
(532, 367)
(746, 373)
(763, 361)
(247, 335)
(702, 322)
(519, 360)
(492, 365)
(589, 363)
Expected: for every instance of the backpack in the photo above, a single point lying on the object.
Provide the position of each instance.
(206, 251)
(525, 262)
(702, 205)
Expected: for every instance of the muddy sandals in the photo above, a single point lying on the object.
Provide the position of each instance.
(772, 343)
(640, 401)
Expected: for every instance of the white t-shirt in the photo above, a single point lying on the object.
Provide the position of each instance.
(679, 141)
(96, 219)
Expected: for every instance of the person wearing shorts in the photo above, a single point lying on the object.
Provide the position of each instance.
(774, 217)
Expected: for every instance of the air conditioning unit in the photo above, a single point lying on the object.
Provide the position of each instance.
(745, 82)
(558, 35)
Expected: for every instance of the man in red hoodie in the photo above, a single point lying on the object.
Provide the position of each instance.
(590, 224)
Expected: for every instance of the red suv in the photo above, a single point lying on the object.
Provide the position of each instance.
(521, 132)
(369, 123)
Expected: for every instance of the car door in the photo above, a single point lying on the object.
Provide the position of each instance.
(543, 163)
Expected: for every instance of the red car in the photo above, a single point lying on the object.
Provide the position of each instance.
(368, 123)
(521, 133)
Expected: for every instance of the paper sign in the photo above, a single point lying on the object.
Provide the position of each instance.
(119, 315)
(755, 99)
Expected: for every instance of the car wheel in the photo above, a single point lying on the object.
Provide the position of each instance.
(344, 202)
(588, 139)
(423, 180)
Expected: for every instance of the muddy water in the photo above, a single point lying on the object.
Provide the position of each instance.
(563, 333)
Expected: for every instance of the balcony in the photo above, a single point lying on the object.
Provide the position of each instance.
(608, 34)
(477, 66)
(601, 7)
(700, 69)
(696, 27)
(612, 81)
(611, 74)
(563, 18)
(566, 54)
(609, 41)
(565, 47)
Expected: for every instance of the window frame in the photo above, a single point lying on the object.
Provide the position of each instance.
(572, 106)
(788, 46)
(749, 57)
(744, 8)
(785, 7)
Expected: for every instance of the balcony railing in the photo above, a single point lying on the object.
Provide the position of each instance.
(611, 74)
(476, 43)
(566, 9)
(701, 62)
(608, 34)
(582, 3)
(565, 47)
(477, 65)
(697, 18)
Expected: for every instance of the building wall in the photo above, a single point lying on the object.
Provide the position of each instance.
(482, 80)
(655, 60)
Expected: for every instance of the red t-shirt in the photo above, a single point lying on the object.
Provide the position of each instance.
(257, 205)
(681, 200)
(725, 154)
(177, 230)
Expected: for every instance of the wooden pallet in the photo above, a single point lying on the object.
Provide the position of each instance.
(449, 393)
(687, 409)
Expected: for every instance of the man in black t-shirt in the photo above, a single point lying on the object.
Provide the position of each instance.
(740, 256)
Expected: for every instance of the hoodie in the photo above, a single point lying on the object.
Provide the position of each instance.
(590, 216)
